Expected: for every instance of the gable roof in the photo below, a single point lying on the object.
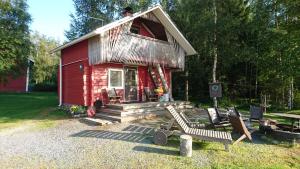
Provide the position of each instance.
(157, 11)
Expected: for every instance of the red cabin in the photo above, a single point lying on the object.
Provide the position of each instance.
(140, 50)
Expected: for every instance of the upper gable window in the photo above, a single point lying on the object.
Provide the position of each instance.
(135, 29)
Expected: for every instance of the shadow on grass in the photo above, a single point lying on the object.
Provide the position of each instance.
(156, 150)
(263, 139)
(129, 137)
(139, 129)
(88, 122)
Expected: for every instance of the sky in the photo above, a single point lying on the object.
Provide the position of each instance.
(51, 17)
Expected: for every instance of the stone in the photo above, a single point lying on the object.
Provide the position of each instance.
(186, 143)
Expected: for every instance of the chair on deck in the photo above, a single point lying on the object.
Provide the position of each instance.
(239, 126)
(113, 96)
(215, 119)
(256, 113)
(150, 95)
(161, 135)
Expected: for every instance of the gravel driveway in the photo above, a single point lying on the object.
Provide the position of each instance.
(74, 144)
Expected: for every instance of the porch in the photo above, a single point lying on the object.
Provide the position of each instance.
(134, 111)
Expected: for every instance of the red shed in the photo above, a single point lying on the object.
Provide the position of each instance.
(20, 83)
(140, 50)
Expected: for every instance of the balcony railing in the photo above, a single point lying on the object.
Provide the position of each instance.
(131, 48)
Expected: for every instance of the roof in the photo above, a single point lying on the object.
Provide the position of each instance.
(157, 11)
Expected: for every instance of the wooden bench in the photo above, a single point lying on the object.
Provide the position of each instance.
(161, 135)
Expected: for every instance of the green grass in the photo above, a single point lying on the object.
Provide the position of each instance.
(38, 109)
(264, 152)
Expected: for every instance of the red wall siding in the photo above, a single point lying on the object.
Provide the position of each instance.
(14, 85)
(100, 81)
(143, 30)
(76, 82)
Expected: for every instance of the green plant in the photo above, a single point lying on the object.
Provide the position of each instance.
(74, 109)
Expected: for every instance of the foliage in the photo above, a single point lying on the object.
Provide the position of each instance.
(14, 35)
(73, 109)
(45, 64)
(258, 47)
(44, 87)
(92, 14)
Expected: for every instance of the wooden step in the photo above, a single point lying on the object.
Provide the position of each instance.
(124, 113)
(97, 121)
(130, 117)
(146, 105)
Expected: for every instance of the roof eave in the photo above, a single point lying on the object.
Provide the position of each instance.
(84, 37)
(172, 28)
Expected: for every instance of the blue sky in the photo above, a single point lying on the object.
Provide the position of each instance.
(51, 17)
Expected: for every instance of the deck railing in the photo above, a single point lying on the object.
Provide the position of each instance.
(131, 48)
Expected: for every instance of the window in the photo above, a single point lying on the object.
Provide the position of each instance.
(115, 78)
(135, 29)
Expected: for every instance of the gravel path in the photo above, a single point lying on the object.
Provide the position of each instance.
(73, 144)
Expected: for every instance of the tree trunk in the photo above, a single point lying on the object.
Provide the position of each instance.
(291, 93)
(215, 51)
(187, 85)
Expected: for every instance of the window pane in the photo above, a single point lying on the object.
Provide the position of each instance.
(116, 78)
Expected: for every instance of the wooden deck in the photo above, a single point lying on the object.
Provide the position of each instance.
(133, 111)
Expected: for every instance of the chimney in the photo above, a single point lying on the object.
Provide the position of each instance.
(127, 11)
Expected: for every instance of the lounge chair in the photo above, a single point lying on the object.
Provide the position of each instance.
(190, 123)
(234, 112)
(215, 119)
(161, 135)
(150, 95)
(256, 113)
(239, 126)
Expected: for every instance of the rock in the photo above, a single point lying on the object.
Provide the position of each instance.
(186, 143)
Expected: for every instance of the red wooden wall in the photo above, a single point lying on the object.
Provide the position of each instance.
(143, 30)
(76, 81)
(14, 85)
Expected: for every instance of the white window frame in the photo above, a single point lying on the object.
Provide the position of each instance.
(117, 87)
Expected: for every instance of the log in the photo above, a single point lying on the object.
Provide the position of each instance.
(186, 143)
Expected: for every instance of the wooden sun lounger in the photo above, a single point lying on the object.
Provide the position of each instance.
(240, 127)
(161, 135)
(193, 124)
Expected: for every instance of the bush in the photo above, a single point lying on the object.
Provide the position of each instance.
(44, 87)
(297, 100)
(73, 109)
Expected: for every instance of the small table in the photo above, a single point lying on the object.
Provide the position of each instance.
(293, 117)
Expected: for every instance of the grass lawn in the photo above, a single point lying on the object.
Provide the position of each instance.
(263, 153)
(37, 109)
